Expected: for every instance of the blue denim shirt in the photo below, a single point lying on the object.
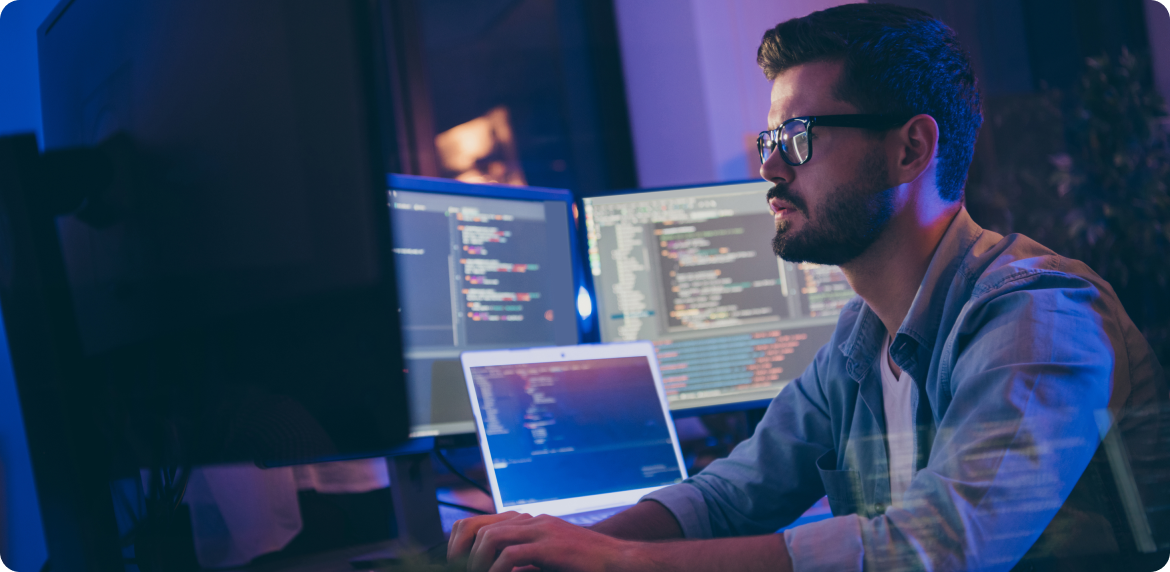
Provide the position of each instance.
(1014, 352)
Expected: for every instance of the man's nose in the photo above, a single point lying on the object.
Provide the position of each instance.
(775, 170)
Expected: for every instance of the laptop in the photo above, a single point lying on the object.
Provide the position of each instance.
(577, 432)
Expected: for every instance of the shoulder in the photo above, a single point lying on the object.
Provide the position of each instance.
(1015, 308)
(1019, 264)
(1027, 304)
(1028, 311)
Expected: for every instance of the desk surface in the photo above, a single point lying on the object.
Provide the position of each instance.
(339, 560)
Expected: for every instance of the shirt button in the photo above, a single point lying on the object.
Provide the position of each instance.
(879, 508)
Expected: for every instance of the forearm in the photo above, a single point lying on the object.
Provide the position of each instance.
(649, 521)
(747, 553)
(645, 521)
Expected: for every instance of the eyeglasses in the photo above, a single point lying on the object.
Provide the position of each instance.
(793, 137)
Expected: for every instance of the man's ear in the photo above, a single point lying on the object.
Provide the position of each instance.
(917, 147)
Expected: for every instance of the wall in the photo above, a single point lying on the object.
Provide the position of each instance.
(697, 100)
(22, 543)
(995, 35)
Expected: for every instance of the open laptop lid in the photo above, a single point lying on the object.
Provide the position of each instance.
(566, 430)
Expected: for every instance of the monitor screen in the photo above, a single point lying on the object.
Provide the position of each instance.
(479, 267)
(595, 426)
(692, 270)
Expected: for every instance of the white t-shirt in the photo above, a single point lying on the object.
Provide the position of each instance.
(899, 426)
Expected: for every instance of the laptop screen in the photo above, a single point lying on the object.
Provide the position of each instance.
(574, 428)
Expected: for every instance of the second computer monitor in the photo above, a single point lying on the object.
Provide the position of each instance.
(479, 267)
(692, 269)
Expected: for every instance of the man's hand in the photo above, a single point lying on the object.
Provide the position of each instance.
(501, 542)
(463, 532)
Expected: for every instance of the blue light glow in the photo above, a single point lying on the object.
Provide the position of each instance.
(584, 304)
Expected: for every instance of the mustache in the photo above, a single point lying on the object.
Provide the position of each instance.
(783, 193)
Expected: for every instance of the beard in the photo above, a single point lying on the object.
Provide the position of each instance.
(851, 219)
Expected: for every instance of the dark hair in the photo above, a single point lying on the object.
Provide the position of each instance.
(897, 60)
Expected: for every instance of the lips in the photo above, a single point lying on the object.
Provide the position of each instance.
(779, 207)
(784, 203)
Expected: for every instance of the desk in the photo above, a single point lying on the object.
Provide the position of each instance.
(339, 560)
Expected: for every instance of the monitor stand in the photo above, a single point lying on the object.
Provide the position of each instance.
(416, 503)
(416, 510)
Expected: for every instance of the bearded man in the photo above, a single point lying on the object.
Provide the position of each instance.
(965, 391)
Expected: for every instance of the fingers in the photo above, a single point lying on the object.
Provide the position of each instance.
(515, 556)
(546, 542)
(463, 532)
(493, 541)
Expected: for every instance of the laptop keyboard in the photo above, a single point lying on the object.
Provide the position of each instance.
(592, 517)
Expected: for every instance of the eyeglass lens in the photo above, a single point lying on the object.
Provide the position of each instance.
(793, 143)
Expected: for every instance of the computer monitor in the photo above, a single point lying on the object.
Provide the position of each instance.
(480, 266)
(692, 270)
(235, 300)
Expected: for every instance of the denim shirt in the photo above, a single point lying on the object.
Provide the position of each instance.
(1014, 352)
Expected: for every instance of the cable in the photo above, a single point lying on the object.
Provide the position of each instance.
(182, 487)
(458, 473)
(464, 508)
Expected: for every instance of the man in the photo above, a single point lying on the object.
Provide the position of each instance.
(962, 395)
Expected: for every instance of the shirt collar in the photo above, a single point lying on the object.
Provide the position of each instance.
(916, 336)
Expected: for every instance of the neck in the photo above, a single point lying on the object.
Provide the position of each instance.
(888, 274)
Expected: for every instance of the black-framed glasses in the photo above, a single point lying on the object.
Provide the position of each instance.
(794, 136)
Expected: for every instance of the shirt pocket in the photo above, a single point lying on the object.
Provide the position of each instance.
(842, 487)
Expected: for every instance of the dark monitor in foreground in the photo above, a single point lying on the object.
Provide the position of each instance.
(479, 267)
(692, 270)
(234, 294)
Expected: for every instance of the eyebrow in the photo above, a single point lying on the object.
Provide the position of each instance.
(794, 117)
(781, 122)
(777, 125)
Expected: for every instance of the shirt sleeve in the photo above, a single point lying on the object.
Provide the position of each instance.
(1031, 367)
(768, 480)
(830, 545)
(687, 505)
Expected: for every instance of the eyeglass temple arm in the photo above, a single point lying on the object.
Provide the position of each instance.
(863, 121)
